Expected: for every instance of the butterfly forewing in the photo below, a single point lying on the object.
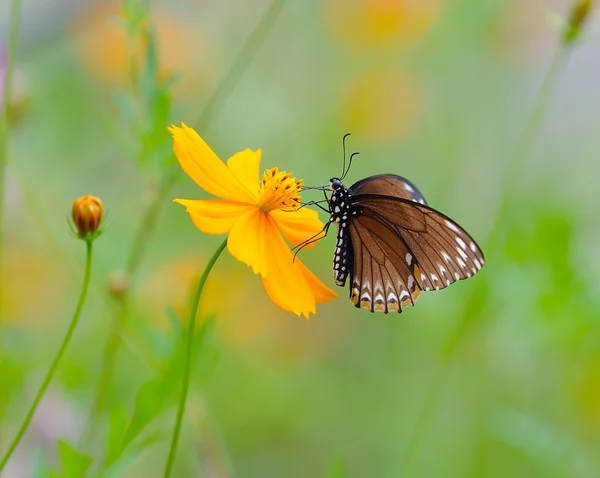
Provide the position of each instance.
(388, 185)
(442, 249)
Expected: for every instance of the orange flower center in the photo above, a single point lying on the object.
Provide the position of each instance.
(278, 190)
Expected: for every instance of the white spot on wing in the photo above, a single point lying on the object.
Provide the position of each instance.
(477, 264)
(461, 243)
(452, 226)
(473, 247)
(408, 258)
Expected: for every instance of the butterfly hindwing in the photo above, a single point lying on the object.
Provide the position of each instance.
(384, 276)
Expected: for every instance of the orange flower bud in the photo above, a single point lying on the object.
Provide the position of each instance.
(87, 215)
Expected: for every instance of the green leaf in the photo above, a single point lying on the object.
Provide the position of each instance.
(117, 425)
(149, 402)
(73, 463)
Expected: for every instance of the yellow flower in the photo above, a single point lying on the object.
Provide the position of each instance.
(257, 213)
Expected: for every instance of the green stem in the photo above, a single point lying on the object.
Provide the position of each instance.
(185, 383)
(5, 98)
(57, 358)
(231, 78)
(136, 253)
(527, 141)
(523, 151)
(241, 62)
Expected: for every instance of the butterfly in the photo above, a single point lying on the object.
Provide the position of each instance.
(391, 245)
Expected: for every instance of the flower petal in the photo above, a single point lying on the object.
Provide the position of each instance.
(289, 284)
(202, 165)
(321, 292)
(245, 166)
(246, 241)
(298, 226)
(214, 216)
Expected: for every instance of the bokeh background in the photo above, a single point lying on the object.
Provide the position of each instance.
(495, 376)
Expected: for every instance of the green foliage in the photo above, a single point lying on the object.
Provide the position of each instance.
(74, 464)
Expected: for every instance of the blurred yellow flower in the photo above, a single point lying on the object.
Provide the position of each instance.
(256, 213)
(376, 24)
(100, 45)
(383, 105)
(168, 287)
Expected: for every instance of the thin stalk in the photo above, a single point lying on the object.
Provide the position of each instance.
(241, 62)
(523, 151)
(57, 358)
(185, 383)
(136, 254)
(13, 37)
(528, 138)
(230, 80)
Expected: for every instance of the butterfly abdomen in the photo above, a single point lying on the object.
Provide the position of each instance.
(343, 258)
(341, 212)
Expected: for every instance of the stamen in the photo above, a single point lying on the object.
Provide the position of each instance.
(279, 190)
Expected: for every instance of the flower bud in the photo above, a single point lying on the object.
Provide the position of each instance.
(87, 215)
(118, 283)
(580, 11)
(16, 105)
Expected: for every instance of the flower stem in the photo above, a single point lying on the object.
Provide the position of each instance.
(523, 151)
(5, 99)
(57, 358)
(241, 62)
(136, 253)
(185, 383)
(230, 80)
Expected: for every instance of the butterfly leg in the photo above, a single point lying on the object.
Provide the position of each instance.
(317, 237)
(315, 203)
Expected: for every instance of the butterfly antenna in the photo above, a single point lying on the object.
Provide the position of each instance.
(344, 152)
(349, 165)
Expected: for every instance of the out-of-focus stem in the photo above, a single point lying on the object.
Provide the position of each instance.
(512, 176)
(6, 95)
(136, 253)
(185, 383)
(57, 358)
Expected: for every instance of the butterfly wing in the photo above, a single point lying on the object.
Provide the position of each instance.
(442, 251)
(388, 185)
(384, 277)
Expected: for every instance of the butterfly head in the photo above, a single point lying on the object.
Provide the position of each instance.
(335, 184)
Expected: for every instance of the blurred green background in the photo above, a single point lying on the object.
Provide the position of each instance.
(496, 376)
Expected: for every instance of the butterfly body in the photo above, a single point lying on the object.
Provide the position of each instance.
(392, 245)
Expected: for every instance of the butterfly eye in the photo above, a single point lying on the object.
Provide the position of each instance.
(335, 184)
